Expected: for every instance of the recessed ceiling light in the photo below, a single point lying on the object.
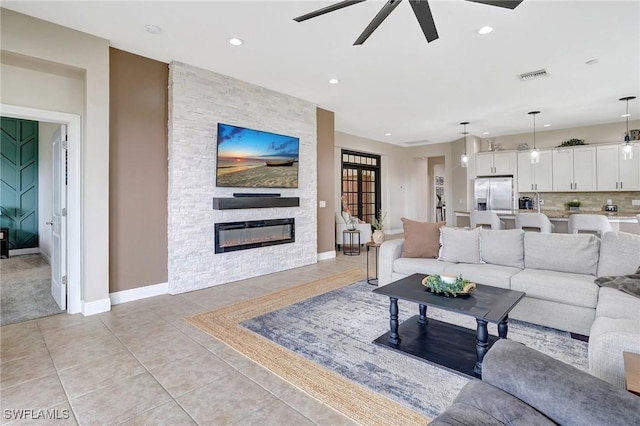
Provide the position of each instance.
(485, 133)
(592, 62)
(484, 30)
(387, 134)
(334, 81)
(235, 41)
(153, 29)
(547, 125)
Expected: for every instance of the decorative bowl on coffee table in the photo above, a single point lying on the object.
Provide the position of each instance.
(448, 285)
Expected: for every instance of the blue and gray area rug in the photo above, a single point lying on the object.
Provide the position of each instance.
(336, 330)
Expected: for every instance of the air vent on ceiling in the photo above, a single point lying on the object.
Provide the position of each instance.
(533, 75)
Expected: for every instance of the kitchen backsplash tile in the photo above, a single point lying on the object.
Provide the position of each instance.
(591, 201)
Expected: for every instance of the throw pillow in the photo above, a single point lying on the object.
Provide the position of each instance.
(460, 245)
(503, 247)
(421, 239)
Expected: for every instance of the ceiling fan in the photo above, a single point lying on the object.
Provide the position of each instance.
(420, 9)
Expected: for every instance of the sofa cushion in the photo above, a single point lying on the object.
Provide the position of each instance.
(619, 255)
(503, 247)
(408, 266)
(460, 414)
(460, 245)
(421, 239)
(562, 287)
(614, 303)
(574, 253)
(500, 405)
(493, 275)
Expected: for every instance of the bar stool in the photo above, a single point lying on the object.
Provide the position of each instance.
(483, 218)
(589, 223)
(539, 221)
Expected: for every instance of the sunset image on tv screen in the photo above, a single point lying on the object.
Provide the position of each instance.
(250, 158)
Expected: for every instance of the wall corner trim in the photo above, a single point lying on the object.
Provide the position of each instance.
(138, 293)
(96, 307)
(327, 255)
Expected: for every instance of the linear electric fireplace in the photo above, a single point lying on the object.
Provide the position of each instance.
(234, 236)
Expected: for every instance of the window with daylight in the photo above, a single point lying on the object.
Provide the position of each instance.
(361, 184)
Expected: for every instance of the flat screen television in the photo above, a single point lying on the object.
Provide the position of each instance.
(248, 158)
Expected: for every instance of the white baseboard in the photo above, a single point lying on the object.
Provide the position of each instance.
(125, 296)
(326, 255)
(96, 307)
(45, 257)
(20, 252)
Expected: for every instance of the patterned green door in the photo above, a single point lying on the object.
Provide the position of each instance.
(19, 181)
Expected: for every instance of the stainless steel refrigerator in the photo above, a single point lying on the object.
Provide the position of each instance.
(494, 193)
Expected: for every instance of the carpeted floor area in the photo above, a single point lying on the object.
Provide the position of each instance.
(25, 289)
(318, 337)
(357, 402)
(336, 330)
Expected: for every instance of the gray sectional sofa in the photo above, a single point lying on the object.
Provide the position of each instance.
(557, 273)
(521, 386)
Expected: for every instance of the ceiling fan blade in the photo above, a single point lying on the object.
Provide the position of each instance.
(327, 9)
(375, 23)
(423, 12)
(508, 4)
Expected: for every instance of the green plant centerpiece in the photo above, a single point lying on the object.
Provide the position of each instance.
(572, 142)
(447, 286)
(574, 205)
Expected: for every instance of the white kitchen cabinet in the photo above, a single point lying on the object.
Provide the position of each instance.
(535, 176)
(496, 163)
(574, 169)
(614, 173)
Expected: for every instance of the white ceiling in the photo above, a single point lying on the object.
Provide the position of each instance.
(396, 82)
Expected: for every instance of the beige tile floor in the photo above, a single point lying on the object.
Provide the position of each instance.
(141, 363)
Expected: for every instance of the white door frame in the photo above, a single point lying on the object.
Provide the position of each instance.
(74, 191)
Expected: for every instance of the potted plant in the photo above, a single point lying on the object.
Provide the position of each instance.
(378, 228)
(574, 205)
(572, 142)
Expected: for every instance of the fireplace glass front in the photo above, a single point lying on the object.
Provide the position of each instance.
(234, 236)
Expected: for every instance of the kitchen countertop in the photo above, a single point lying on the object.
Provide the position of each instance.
(621, 216)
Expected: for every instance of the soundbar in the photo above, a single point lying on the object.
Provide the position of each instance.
(254, 194)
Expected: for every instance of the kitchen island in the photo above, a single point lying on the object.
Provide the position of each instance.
(622, 221)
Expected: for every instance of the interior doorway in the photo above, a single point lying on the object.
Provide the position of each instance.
(33, 190)
(62, 219)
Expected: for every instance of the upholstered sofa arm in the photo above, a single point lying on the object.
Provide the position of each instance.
(609, 338)
(390, 250)
(479, 403)
(563, 393)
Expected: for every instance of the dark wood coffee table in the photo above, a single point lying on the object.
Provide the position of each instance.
(438, 342)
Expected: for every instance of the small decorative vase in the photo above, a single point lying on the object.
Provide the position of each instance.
(378, 236)
(352, 224)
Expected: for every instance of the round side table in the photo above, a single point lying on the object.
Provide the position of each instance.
(353, 247)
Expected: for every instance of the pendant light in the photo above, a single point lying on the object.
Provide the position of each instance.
(627, 148)
(464, 158)
(535, 154)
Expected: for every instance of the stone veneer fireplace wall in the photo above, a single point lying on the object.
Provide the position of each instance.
(198, 100)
